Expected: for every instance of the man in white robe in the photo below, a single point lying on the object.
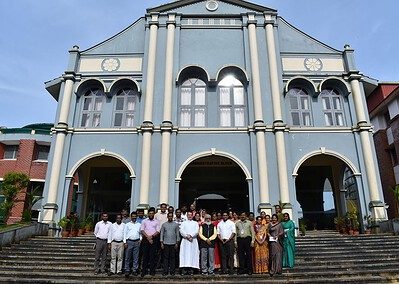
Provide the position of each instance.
(189, 251)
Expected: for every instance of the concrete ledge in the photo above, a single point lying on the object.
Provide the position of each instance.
(390, 226)
(19, 234)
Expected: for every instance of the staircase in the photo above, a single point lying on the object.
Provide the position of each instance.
(321, 257)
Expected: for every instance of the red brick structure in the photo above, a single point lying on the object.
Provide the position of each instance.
(383, 106)
(25, 150)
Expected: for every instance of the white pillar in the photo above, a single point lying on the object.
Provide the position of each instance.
(253, 47)
(148, 126)
(167, 113)
(258, 115)
(150, 76)
(278, 125)
(376, 205)
(51, 206)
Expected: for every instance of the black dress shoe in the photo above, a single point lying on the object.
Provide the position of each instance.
(142, 274)
(110, 274)
(135, 273)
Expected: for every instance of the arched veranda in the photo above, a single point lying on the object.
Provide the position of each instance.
(103, 183)
(324, 185)
(216, 176)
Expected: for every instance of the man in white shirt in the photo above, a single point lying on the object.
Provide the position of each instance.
(226, 232)
(162, 216)
(101, 231)
(131, 240)
(115, 244)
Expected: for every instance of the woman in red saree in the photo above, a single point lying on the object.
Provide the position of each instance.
(215, 222)
(261, 247)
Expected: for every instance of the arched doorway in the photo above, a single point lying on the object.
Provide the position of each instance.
(215, 183)
(324, 184)
(103, 185)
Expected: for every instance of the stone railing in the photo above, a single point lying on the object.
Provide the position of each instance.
(18, 234)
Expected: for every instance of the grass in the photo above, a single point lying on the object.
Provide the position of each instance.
(4, 228)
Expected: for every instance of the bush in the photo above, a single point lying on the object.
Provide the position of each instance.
(13, 183)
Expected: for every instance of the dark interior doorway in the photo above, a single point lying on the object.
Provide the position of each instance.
(214, 175)
(109, 191)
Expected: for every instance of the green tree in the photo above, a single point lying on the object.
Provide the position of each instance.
(396, 196)
(30, 199)
(13, 183)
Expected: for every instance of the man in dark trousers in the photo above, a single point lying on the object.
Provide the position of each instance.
(245, 241)
(170, 237)
(226, 233)
(150, 229)
(207, 235)
(101, 231)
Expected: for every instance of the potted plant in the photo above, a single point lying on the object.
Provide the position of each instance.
(302, 226)
(352, 220)
(340, 225)
(89, 223)
(64, 225)
(368, 224)
(82, 228)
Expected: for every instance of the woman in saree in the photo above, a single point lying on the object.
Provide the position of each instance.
(275, 235)
(216, 251)
(261, 247)
(288, 242)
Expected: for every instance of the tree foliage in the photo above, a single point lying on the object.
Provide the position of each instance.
(13, 183)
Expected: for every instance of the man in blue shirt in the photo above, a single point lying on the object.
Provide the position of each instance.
(131, 240)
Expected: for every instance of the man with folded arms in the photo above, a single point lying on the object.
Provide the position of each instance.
(131, 240)
(207, 234)
(115, 244)
(101, 231)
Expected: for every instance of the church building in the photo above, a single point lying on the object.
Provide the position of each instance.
(218, 102)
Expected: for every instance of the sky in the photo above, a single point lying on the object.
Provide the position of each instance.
(35, 37)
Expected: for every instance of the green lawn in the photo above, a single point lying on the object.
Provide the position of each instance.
(4, 228)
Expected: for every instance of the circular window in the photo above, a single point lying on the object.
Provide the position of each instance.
(313, 64)
(110, 64)
(212, 5)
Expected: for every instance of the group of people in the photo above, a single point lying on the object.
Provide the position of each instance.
(188, 242)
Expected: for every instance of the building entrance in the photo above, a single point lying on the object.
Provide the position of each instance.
(104, 185)
(214, 183)
(324, 186)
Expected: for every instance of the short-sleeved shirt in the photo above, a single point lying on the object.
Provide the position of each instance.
(226, 229)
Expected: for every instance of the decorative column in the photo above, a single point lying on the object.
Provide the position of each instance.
(166, 127)
(132, 178)
(51, 206)
(148, 127)
(376, 206)
(278, 125)
(259, 124)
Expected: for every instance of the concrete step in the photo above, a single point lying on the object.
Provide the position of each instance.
(206, 280)
(287, 275)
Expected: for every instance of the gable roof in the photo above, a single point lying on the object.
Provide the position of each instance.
(181, 3)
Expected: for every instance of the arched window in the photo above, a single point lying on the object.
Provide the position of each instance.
(92, 107)
(332, 107)
(300, 107)
(231, 102)
(125, 108)
(193, 103)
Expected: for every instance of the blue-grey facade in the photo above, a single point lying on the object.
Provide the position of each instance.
(154, 99)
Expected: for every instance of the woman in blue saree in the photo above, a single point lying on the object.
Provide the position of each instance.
(288, 242)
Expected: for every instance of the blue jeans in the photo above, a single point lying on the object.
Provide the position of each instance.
(132, 255)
